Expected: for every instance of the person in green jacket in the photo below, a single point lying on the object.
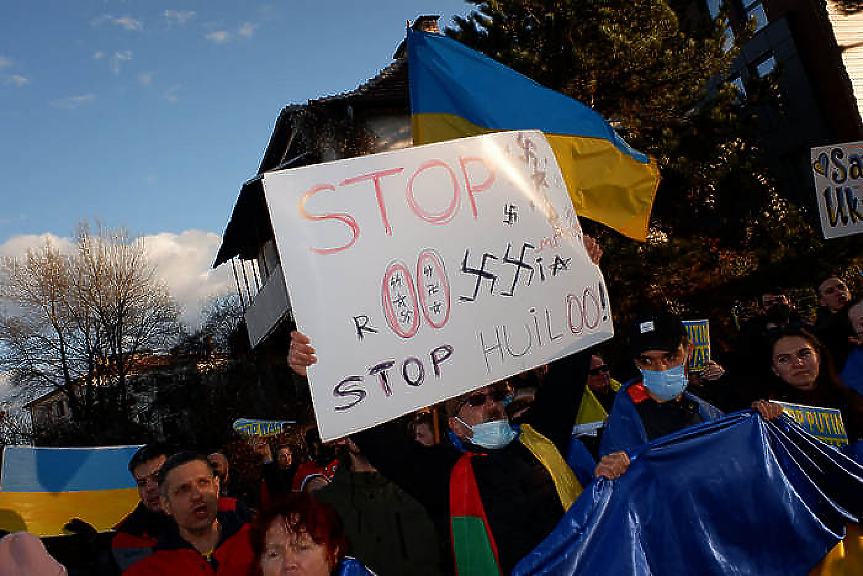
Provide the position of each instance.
(388, 530)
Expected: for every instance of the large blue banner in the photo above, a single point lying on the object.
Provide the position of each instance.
(733, 496)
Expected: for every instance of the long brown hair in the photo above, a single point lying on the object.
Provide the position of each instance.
(827, 380)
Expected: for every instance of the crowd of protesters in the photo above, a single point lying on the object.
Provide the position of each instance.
(474, 484)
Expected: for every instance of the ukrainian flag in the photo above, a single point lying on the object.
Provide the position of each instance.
(43, 488)
(456, 92)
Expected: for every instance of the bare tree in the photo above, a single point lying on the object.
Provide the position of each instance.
(15, 426)
(80, 322)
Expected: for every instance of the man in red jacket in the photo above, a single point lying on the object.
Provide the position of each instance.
(204, 539)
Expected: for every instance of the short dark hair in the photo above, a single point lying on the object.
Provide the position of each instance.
(824, 278)
(178, 460)
(656, 330)
(146, 453)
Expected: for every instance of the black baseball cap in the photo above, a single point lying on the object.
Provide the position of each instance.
(656, 330)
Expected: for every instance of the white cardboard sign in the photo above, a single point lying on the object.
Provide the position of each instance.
(428, 272)
(837, 171)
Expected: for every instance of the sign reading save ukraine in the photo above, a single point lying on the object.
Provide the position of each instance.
(825, 424)
(41, 489)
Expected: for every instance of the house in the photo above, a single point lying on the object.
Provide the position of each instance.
(374, 117)
(817, 49)
(150, 374)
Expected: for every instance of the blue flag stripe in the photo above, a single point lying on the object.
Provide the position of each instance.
(28, 469)
(457, 80)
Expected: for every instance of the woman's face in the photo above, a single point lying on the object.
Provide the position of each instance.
(287, 552)
(796, 362)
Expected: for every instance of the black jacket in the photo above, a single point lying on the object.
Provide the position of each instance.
(517, 492)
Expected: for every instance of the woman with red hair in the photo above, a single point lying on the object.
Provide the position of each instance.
(302, 536)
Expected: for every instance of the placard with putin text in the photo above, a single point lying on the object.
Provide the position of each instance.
(248, 428)
(824, 424)
(699, 338)
(425, 273)
(837, 172)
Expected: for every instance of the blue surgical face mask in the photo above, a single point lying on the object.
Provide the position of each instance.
(491, 435)
(666, 384)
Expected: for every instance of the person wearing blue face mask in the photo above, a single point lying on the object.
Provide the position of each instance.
(494, 489)
(656, 403)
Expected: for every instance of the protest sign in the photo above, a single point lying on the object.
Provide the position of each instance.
(824, 424)
(425, 273)
(837, 171)
(247, 427)
(699, 337)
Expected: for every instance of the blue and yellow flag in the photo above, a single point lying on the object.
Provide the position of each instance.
(43, 488)
(456, 92)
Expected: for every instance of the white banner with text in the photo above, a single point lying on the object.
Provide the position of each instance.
(428, 272)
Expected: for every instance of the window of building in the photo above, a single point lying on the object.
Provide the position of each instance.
(755, 9)
(737, 82)
(713, 7)
(765, 66)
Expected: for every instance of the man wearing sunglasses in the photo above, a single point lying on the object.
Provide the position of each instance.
(494, 490)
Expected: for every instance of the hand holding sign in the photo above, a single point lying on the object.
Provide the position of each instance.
(300, 353)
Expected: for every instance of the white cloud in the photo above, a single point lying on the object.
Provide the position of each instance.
(125, 22)
(183, 261)
(145, 79)
(247, 30)
(98, 55)
(219, 36)
(178, 16)
(171, 93)
(16, 80)
(118, 58)
(17, 246)
(72, 101)
(5, 62)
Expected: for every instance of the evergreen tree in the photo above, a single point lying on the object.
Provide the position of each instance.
(719, 227)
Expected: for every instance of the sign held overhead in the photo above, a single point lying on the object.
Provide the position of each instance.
(426, 273)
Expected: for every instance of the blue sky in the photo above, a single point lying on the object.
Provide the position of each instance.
(151, 115)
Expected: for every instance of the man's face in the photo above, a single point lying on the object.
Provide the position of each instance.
(483, 405)
(597, 376)
(284, 458)
(148, 487)
(659, 360)
(424, 434)
(191, 496)
(834, 294)
(855, 315)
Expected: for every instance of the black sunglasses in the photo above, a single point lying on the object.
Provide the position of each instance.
(480, 398)
(596, 371)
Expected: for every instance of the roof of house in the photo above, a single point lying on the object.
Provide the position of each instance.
(250, 223)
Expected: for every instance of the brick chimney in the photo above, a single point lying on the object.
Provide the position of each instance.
(426, 24)
(421, 24)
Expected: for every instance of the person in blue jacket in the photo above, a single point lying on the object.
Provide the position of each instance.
(656, 404)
